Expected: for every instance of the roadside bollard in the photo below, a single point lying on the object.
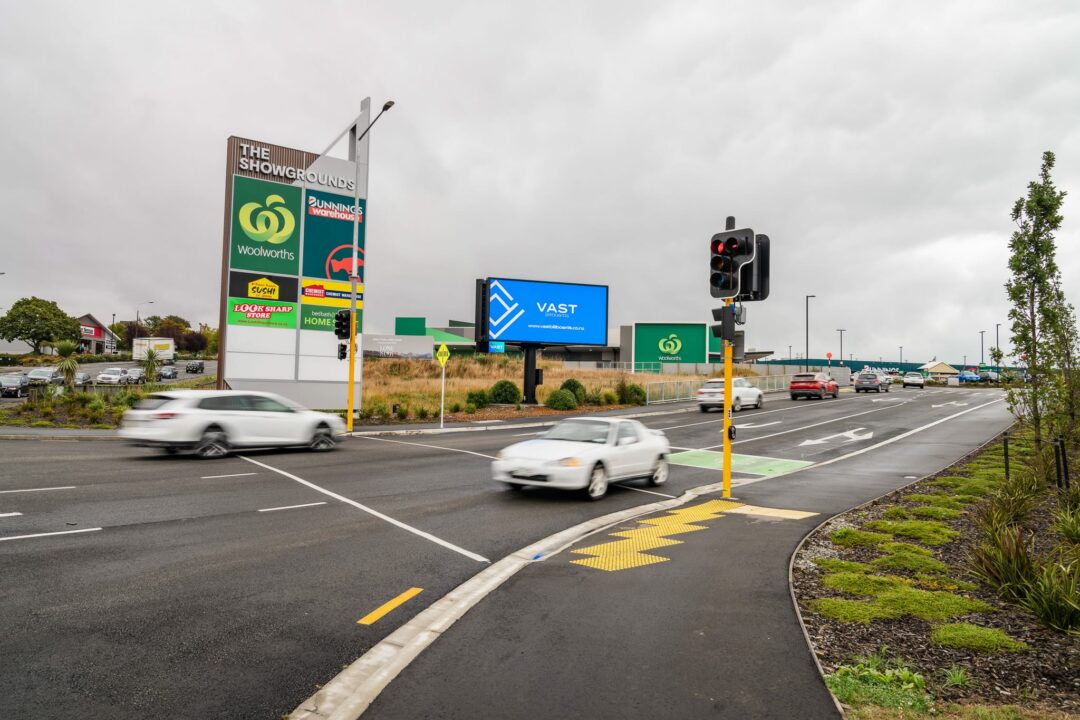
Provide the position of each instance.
(1005, 442)
(1057, 461)
(1064, 465)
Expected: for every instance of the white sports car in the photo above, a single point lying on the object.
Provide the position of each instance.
(586, 454)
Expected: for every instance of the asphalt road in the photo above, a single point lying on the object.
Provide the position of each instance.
(188, 588)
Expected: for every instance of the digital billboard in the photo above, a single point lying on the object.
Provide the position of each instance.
(670, 343)
(546, 313)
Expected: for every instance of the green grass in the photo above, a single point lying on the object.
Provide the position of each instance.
(936, 513)
(961, 485)
(850, 537)
(925, 531)
(837, 565)
(863, 584)
(941, 582)
(902, 556)
(880, 682)
(899, 602)
(966, 636)
(853, 611)
(945, 501)
(896, 512)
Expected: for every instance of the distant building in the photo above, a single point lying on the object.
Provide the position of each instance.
(95, 337)
(939, 369)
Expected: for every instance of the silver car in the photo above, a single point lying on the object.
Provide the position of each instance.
(113, 376)
(914, 379)
(872, 382)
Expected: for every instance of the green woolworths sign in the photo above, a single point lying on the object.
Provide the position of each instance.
(265, 227)
(670, 343)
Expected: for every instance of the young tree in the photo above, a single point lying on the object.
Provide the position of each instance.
(1033, 292)
(36, 321)
(68, 365)
(150, 365)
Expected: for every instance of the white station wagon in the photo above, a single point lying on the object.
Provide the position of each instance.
(214, 422)
(586, 454)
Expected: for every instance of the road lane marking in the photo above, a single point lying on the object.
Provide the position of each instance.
(12, 514)
(758, 425)
(434, 447)
(64, 487)
(749, 415)
(643, 490)
(370, 511)
(291, 507)
(62, 532)
(215, 477)
(851, 435)
(386, 607)
(806, 427)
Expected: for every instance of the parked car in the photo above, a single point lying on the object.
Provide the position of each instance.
(872, 381)
(194, 366)
(585, 454)
(136, 376)
(168, 372)
(45, 376)
(14, 385)
(967, 376)
(214, 422)
(711, 395)
(112, 376)
(989, 376)
(809, 385)
(82, 379)
(914, 379)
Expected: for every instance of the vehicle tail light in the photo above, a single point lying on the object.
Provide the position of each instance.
(164, 415)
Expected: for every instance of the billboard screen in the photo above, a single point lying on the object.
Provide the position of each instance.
(546, 313)
(670, 343)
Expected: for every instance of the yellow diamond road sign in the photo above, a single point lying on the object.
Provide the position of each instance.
(443, 355)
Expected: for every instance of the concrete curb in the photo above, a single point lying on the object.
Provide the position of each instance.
(352, 691)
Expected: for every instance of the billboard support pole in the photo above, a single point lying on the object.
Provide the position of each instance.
(727, 411)
(530, 374)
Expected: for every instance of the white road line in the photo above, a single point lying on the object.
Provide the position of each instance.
(65, 487)
(807, 427)
(9, 514)
(641, 490)
(528, 433)
(433, 447)
(62, 532)
(291, 507)
(216, 477)
(376, 513)
(754, 415)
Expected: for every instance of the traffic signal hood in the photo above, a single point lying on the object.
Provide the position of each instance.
(730, 251)
(342, 324)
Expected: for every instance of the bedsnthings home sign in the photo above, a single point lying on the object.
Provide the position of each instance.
(286, 264)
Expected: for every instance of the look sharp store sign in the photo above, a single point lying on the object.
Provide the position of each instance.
(287, 266)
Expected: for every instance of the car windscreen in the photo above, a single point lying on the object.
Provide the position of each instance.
(803, 378)
(10, 380)
(153, 402)
(40, 373)
(579, 431)
(112, 371)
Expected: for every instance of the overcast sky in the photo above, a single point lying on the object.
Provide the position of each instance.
(880, 145)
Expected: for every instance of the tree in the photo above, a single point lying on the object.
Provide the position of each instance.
(151, 322)
(177, 320)
(171, 329)
(150, 365)
(1034, 291)
(68, 365)
(36, 321)
(193, 342)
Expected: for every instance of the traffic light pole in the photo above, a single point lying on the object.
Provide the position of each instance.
(728, 352)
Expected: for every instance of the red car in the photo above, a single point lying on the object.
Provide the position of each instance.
(816, 385)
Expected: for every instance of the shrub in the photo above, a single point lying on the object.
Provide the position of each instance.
(505, 392)
(850, 537)
(561, 400)
(593, 397)
(1004, 560)
(609, 397)
(925, 531)
(380, 410)
(402, 412)
(478, 399)
(1053, 594)
(1067, 522)
(575, 388)
(83, 399)
(897, 513)
(456, 408)
(470, 408)
(973, 637)
(630, 393)
(422, 413)
(97, 404)
(878, 684)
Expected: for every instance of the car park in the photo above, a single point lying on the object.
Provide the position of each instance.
(212, 423)
(585, 454)
(194, 367)
(168, 372)
(14, 385)
(819, 385)
(711, 395)
(112, 376)
(914, 379)
(45, 376)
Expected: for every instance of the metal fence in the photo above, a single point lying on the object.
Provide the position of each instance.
(681, 390)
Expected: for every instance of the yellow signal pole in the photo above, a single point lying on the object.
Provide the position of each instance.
(728, 356)
(352, 362)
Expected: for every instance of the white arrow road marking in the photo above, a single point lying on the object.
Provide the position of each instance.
(957, 404)
(889, 400)
(851, 435)
(757, 425)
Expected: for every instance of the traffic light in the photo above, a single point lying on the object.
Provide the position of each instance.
(730, 251)
(726, 317)
(758, 287)
(342, 324)
(342, 351)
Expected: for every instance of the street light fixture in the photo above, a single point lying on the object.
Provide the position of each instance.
(806, 366)
(841, 331)
(137, 325)
(982, 334)
(997, 341)
(901, 357)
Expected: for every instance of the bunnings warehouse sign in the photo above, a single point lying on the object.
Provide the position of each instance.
(287, 267)
(670, 343)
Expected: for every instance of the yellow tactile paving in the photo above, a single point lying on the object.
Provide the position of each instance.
(772, 512)
(630, 552)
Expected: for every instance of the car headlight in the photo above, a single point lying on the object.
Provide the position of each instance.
(572, 462)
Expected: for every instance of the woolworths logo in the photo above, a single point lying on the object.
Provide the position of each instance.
(671, 345)
(270, 223)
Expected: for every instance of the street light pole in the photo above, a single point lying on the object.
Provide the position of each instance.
(806, 366)
(901, 358)
(137, 326)
(982, 334)
(841, 331)
(997, 341)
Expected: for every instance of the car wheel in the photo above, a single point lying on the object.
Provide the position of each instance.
(212, 444)
(703, 408)
(794, 397)
(170, 450)
(736, 405)
(821, 395)
(598, 483)
(660, 473)
(514, 486)
(836, 393)
(760, 400)
(322, 439)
